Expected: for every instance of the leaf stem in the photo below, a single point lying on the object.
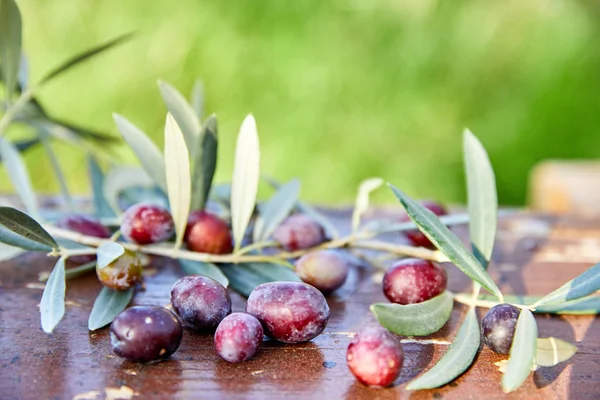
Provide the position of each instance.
(468, 299)
(12, 112)
(256, 246)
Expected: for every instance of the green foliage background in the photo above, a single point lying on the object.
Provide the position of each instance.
(342, 90)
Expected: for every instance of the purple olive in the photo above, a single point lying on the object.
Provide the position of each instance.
(200, 302)
(326, 270)
(145, 334)
(299, 232)
(291, 312)
(499, 326)
(413, 280)
(237, 337)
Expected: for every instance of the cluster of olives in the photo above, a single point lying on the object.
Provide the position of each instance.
(290, 312)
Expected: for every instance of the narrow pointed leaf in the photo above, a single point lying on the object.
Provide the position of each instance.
(243, 278)
(581, 286)
(458, 358)
(522, 352)
(108, 252)
(10, 43)
(362, 199)
(74, 272)
(552, 351)
(418, 319)
(446, 242)
(14, 239)
(121, 178)
(204, 163)
(107, 306)
(79, 58)
(9, 252)
(22, 224)
(19, 177)
(101, 206)
(244, 185)
(197, 99)
(52, 305)
(204, 268)
(482, 198)
(178, 177)
(56, 168)
(276, 210)
(182, 112)
(145, 150)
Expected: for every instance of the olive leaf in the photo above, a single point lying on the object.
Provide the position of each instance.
(52, 305)
(418, 319)
(108, 252)
(522, 352)
(309, 210)
(101, 206)
(107, 306)
(362, 199)
(14, 239)
(204, 163)
(244, 185)
(10, 44)
(24, 145)
(458, 358)
(275, 210)
(178, 177)
(73, 272)
(54, 164)
(23, 225)
(446, 242)
(552, 351)
(482, 198)
(197, 99)
(19, 177)
(183, 113)
(244, 277)
(204, 268)
(121, 178)
(581, 286)
(79, 58)
(145, 150)
(9, 252)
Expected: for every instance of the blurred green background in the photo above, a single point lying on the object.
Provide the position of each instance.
(342, 90)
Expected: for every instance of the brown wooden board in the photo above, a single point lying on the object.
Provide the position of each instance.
(534, 255)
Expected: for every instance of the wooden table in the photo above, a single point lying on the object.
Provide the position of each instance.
(534, 255)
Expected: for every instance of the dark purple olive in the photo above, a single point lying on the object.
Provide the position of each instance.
(238, 336)
(200, 302)
(413, 280)
(145, 334)
(299, 232)
(291, 312)
(499, 327)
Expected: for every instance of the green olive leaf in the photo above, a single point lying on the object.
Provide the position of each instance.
(101, 206)
(244, 277)
(458, 358)
(79, 58)
(52, 305)
(204, 163)
(107, 306)
(204, 268)
(446, 242)
(72, 272)
(19, 177)
(145, 150)
(581, 286)
(362, 199)
(22, 224)
(552, 351)
(14, 239)
(108, 252)
(482, 198)
(182, 112)
(122, 178)
(275, 210)
(179, 182)
(522, 352)
(418, 319)
(10, 44)
(197, 99)
(246, 173)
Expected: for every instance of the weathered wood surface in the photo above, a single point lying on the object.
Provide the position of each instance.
(534, 255)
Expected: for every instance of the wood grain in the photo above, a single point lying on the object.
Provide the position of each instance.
(534, 255)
